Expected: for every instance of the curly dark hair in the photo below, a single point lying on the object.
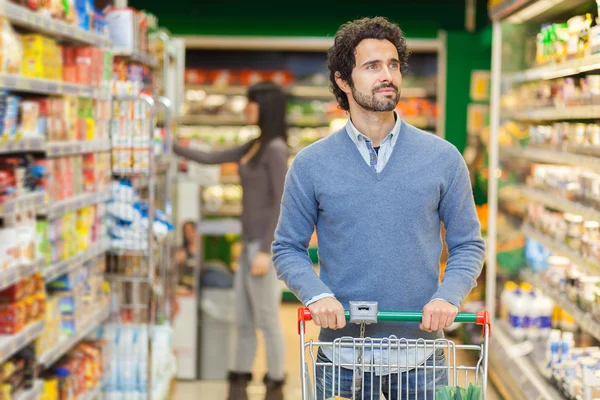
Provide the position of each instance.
(341, 56)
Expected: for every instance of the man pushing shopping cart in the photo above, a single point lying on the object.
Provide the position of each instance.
(377, 192)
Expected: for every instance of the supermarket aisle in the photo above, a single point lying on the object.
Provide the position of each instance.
(218, 390)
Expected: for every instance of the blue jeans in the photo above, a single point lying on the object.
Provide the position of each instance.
(388, 385)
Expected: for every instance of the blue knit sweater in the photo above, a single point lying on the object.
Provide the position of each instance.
(379, 233)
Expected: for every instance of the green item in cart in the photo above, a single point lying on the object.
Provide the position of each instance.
(458, 393)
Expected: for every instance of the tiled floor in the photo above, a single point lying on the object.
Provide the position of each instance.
(218, 390)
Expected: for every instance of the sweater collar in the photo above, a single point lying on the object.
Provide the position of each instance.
(357, 137)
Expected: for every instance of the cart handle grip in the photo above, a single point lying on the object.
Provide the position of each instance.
(479, 318)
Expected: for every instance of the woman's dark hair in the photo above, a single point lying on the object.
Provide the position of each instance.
(186, 242)
(272, 106)
(341, 56)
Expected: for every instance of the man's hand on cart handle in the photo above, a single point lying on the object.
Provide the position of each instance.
(438, 314)
(328, 313)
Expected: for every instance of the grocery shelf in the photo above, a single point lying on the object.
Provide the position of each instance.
(16, 274)
(516, 372)
(137, 56)
(306, 91)
(224, 211)
(39, 22)
(219, 227)
(557, 114)
(77, 261)
(21, 145)
(556, 70)
(76, 203)
(45, 86)
(584, 320)
(22, 203)
(12, 344)
(554, 157)
(61, 149)
(589, 150)
(518, 11)
(94, 320)
(561, 248)
(559, 203)
(32, 394)
(238, 120)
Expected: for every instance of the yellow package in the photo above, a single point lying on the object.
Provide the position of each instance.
(50, 389)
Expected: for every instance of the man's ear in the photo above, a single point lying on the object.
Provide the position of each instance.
(342, 84)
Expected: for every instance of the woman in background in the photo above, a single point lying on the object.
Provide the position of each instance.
(262, 168)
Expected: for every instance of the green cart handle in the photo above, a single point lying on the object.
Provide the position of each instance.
(479, 318)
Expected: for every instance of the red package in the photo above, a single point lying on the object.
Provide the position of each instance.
(13, 293)
(84, 65)
(9, 313)
(221, 77)
(69, 55)
(194, 76)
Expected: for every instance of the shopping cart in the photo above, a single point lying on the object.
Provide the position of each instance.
(392, 366)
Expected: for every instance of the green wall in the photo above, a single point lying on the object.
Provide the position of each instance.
(466, 52)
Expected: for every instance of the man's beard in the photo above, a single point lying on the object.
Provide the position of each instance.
(370, 103)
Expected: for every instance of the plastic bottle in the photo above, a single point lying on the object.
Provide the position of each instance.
(553, 346)
(534, 314)
(505, 299)
(566, 345)
(517, 314)
(545, 311)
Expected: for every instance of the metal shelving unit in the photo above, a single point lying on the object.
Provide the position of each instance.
(21, 145)
(321, 92)
(558, 114)
(557, 70)
(61, 149)
(76, 203)
(22, 203)
(77, 261)
(515, 22)
(571, 156)
(94, 320)
(12, 344)
(136, 56)
(559, 203)
(45, 86)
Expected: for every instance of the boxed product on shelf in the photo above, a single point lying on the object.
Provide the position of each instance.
(50, 336)
(246, 77)
(22, 304)
(42, 57)
(11, 49)
(78, 372)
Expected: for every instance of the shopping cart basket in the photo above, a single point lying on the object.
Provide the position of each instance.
(377, 366)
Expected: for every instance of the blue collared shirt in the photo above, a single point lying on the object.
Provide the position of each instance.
(365, 145)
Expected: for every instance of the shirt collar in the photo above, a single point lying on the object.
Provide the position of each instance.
(356, 136)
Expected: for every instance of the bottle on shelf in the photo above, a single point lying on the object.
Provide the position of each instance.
(505, 298)
(526, 305)
(517, 314)
(546, 308)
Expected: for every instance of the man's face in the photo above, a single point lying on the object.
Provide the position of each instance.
(376, 78)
